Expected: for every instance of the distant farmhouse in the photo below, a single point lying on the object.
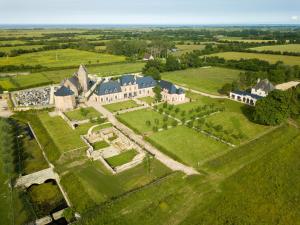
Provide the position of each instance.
(110, 91)
(148, 57)
(260, 90)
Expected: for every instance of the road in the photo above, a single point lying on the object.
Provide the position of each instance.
(166, 160)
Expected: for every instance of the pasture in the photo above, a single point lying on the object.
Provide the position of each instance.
(206, 79)
(24, 47)
(60, 58)
(279, 48)
(182, 49)
(289, 60)
(240, 39)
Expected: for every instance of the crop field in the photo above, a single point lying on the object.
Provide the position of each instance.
(63, 136)
(114, 107)
(25, 47)
(200, 147)
(117, 69)
(182, 49)
(279, 48)
(208, 80)
(137, 120)
(61, 58)
(239, 39)
(11, 42)
(86, 191)
(289, 60)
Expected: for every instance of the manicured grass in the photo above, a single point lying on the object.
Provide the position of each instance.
(137, 119)
(102, 126)
(114, 107)
(60, 58)
(82, 114)
(208, 80)
(182, 49)
(99, 145)
(148, 100)
(25, 47)
(63, 136)
(187, 145)
(91, 183)
(289, 60)
(122, 158)
(280, 48)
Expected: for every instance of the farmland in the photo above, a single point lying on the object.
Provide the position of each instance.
(239, 39)
(60, 58)
(289, 60)
(182, 49)
(280, 48)
(208, 80)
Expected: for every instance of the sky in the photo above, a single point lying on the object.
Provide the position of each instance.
(149, 12)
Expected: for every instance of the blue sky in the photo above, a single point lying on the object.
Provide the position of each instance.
(149, 11)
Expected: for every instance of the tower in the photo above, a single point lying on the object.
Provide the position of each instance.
(82, 75)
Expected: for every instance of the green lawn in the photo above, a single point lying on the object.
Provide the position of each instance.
(289, 60)
(60, 58)
(137, 120)
(99, 145)
(102, 126)
(122, 158)
(114, 107)
(82, 114)
(208, 80)
(187, 145)
(63, 136)
(148, 100)
(91, 184)
(280, 48)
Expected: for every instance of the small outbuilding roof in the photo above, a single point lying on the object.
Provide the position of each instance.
(244, 93)
(264, 85)
(63, 91)
(170, 87)
(109, 87)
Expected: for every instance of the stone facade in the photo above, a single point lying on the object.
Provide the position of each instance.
(65, 103)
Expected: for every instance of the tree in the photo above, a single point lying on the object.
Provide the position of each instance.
(157, 92)
(273, 109)
(153, 72)
(148, 123)
(226, 89)
(172, 63)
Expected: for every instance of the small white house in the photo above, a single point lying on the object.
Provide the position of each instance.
(148, 57)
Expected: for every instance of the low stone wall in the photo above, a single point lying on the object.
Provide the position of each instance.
(65, 118)
(137, 160)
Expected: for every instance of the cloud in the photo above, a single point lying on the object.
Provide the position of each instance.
(295, 18)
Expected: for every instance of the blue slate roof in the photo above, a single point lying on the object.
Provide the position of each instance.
(244, 93)
(64, 91)
(145, 82)
(127, 80)
(170, 87)
(109, 87)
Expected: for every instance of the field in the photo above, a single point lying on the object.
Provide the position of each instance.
(122, 158)
(200, 147)
(56, 76)
(25, 47)
(239, 39)
(86, 191)
(279, 48)
(114, 107)
(137, 119)
(182, 49)
(82, 114)
(63, 136)
(60, 58)
(208, 80)
(289, 60)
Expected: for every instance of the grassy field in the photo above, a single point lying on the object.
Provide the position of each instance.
(279, 48)
(182, 49)
(60, 58)
(99, 145)
(86, 191)
(82, 114)
(208, 80)
(289, 60)
(114, 107)
(240, 39)
(122, 158)
(199, 148)
(137, 119)
(117, 69)
(63, 136)
(148, 100)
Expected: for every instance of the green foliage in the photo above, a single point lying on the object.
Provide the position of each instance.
(172, 63)
(157, 92)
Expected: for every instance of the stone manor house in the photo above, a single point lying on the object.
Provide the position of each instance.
(260, 90)
(113, 90)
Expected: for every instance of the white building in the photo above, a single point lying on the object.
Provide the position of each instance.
(260, 90)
